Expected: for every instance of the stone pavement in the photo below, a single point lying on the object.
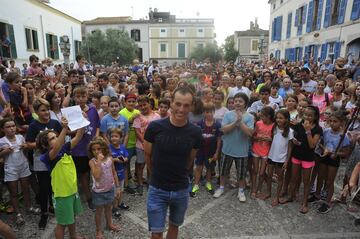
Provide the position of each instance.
(224, 217)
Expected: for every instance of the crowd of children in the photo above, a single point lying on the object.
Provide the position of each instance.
(272, 121)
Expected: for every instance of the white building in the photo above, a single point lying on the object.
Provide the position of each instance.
(300, 29)
(33, 27)
(138, 30)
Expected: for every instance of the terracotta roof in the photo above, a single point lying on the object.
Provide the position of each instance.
(108, 20)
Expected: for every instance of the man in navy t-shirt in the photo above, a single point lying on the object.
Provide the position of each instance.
(170, 148)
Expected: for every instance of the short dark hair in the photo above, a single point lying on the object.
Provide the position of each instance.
(305, 69)
(113, 99)
(103, 76)
(183, 91)
(4, 121)
(33, 58)
(242, 96)
(72, 72)
(264, 89)
(11, 77)
(297, 81)
(275, 84)
(79, 57)
(164, 101)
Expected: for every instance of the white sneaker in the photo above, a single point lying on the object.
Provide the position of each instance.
(241, 196)
(218, 192)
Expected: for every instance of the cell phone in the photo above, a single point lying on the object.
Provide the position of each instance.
(121, 158)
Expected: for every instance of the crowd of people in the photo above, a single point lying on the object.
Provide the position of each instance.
(281, 123)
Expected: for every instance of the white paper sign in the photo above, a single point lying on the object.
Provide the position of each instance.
(75, 118)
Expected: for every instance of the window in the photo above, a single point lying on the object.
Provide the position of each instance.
(181, 32)
(281, 1)
(276, 29)
(300, 18)
(254, 45)
(200, 32)
(135, 34)
(274, 6)
(200, 44)
(317, 9)
(162, 47)
(181, 50)
(355, 11)
(334, 12)
(163, 32)
(288, 28)
(8, 46)
(52, 46)
(77, 45)
(31, 39)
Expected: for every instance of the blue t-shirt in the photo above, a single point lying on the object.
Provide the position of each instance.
(119, 167)
(236, 143)
(108, 122)
(331, 140)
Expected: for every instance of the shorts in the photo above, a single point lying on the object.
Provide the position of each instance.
(157, 206)
(81, 164)
(257, 156)
(132, 153)
(140, 156)
(240, 164)
(277, 164)
(330, 162)
(66, 208)
(304, 164)
(200, 161)
(14, 173)
(103, 198)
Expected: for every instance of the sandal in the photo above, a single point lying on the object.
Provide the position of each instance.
(285, 200)
(304, 210)
(114, 228)
(19, 220)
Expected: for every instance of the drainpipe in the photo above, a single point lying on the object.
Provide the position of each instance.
(43, 36)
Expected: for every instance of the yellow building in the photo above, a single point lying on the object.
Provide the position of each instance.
(172, 40)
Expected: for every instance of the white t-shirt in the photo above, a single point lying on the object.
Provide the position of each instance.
(279, 147)
(234, 90)
(310, 86)
(279, 100)
(17, 157)
(219, 113)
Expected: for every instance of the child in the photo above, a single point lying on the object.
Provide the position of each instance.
(306, 136)
(95, 100)
(104, 180)
(302, 105)
(230, 103)
(16, 167)
(120, 157)
(79, 152)
(291, 103)
(280, 152)
(274, 96)
(256, 107)
(57, 157)
(296, 86)
(330, 159)
(209, 152)
(140, 125)
(164, 106)
(104, 105)
(114, 120)
(220, 110)
(260, 150)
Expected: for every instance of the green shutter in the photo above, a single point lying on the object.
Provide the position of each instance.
(56, 47)
(48, 47)
(13, 43)
(35, 40)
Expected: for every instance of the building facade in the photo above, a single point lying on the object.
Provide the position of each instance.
(322, 29)
(138, 30)
(172, 39)
(35, 28)
(251, 44)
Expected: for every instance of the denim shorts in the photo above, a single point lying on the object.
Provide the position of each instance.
(157, 206)
(104, 198)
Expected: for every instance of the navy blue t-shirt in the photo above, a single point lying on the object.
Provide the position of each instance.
(119, 167)
(171, 148)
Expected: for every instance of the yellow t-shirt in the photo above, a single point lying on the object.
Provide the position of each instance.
(128, 115)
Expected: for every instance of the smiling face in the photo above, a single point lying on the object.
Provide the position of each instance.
(181, 105)
(43, 113)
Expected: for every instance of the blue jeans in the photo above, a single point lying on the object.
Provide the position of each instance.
(158, 203)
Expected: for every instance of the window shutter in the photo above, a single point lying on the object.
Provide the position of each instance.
(56, 47)
(297, 18)
(310, 17)
(303, 20)
(288, 30)
(48, 47)
(316, 49)
(319, 14)
(306, 53)
(342, 8)
(327, 13)
(355, 11)
(273, 30)
(280, 27)
(12, 39)
(300, 53)
(35, 40)
(323, 52)
(292, 54)
(337, 49)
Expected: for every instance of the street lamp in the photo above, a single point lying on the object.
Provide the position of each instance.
(65, 47)
(262, 46)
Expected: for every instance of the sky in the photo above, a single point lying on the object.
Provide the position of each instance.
(229, 15)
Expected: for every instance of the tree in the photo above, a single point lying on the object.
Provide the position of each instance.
(210, 51)
(105, 48)
(229, 48)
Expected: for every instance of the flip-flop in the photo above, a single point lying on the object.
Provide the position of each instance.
(303, 210)
(287, 200)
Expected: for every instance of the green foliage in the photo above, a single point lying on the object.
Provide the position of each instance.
(211, 51)
(103, 48)
(229, 50)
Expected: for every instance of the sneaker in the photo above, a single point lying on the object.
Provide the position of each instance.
(116, 212)
(313, 198)
(241, 196)
(209, 187)
(90, 205)
(123, 206)
(140, 190)
(218, 192)
(195, 188)
(323, 194)
(324, 208)
(19, 220)
(43, 222)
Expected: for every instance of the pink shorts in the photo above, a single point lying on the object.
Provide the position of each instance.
(304, 164)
